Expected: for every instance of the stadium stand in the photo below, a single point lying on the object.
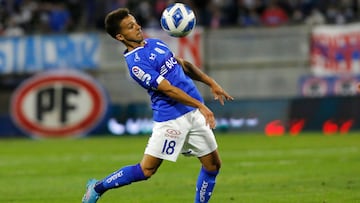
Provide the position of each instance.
(21, 17)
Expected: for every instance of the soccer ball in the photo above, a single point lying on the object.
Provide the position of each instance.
(178, 20)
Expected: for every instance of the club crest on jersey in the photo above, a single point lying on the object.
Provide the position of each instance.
(141, 75)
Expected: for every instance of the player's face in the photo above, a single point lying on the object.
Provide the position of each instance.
(131, 33)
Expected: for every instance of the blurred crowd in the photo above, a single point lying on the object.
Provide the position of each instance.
(23, 17)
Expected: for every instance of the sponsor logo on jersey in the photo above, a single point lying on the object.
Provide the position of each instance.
(169, 64)
(163, 70)
(138, 72)
(171, 133)
(141, 75)
(58, 104)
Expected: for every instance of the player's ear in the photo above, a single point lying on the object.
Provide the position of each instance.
(119, 37)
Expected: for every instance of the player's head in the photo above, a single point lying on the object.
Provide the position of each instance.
(121, 25)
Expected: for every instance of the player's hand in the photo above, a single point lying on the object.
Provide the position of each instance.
(209, 116)
(220, 94)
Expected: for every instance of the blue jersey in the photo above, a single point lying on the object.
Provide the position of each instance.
(148, 66)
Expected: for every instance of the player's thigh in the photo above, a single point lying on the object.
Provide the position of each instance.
(201, 139)
(167, 139)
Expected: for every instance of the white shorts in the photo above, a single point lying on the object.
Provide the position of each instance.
(187, 134)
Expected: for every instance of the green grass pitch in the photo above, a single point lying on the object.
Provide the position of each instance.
(256, 169)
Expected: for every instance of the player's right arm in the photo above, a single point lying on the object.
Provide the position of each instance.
(182, 97)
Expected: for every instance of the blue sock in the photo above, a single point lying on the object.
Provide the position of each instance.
(205, 185)
(121, 177)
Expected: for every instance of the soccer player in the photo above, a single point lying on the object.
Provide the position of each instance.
(182, 123)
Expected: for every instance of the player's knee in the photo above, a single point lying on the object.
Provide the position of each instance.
(149, 165)
(213, 166)
(148, 172)
(217, 166)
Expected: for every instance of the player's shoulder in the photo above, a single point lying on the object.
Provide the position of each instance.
(152, 40)
(156, 42)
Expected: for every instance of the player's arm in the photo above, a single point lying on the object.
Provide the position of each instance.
(195, 73)
(180, 96)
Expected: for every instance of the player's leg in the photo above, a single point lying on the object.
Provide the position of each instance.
(149, 165)
(212, 161)
(129, 174)
(211, 164)
(202, 143)
(124, 176)
(165, 143)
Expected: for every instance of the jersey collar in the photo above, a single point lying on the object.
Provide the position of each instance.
(127, 53)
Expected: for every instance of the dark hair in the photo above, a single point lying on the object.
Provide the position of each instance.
(113, 19)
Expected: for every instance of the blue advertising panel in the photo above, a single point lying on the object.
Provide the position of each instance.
(319, 86)
(36, 53)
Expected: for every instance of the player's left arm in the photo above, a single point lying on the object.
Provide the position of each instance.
(195, 73)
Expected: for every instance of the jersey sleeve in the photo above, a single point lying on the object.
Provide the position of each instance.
(146, 75)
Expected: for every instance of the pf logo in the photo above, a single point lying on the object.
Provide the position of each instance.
(58, 104)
